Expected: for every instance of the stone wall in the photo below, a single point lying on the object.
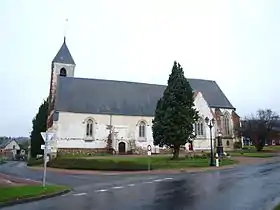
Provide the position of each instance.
(81, 151)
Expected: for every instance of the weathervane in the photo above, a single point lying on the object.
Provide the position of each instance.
(65, 28)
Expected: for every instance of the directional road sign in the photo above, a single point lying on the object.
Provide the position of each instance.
(47, 135)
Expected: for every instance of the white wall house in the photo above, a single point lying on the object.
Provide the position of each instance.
(9, 145)
(81, 110)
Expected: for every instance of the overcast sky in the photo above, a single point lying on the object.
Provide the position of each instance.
(236, 43)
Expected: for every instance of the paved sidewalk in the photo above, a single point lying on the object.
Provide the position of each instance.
(6, 180)
(241, 161)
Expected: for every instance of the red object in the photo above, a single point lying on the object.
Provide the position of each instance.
(190, 147)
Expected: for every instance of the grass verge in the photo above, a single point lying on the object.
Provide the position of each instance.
(12, 193)
(122, 163)
(275, 148)
(252, 154)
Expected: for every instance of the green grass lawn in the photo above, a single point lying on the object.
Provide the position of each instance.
(165, 162)
(27, 191)
(131, 163)
(252, 152)
(275, 148)
(2, 161)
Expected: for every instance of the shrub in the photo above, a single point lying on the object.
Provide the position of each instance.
(2, 161)
(20, 157)
(97, 164)
(202, 155)
(237, 145)
(34, 161)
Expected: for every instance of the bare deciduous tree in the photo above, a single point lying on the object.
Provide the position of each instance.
(259, 127)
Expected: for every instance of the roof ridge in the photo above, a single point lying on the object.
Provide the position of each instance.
(124, 81)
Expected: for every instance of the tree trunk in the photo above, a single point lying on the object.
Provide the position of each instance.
(176, 151)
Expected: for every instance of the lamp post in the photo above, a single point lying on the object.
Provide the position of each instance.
(220, 145)
(210, 124)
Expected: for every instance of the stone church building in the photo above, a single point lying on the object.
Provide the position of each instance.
(83, 111)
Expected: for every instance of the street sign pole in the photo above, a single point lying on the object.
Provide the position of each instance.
(46, 137)
(45, 160)
(149, 155)
(149, 164)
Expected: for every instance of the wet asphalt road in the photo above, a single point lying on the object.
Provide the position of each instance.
(249, 188)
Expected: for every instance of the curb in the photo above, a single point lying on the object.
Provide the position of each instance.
(37, 198)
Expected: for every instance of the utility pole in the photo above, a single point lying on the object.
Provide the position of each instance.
(45, 160)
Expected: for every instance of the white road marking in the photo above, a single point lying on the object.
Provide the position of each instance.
(79, 194)
(168, 178)
(102, 190)
(147, 182)
(117, 187)
(129, 185)
(110, 174)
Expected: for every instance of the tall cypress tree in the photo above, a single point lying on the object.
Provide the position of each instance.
(39, 124)
(175, 113)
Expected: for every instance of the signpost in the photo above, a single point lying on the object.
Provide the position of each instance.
(149, 155)
(46, 137)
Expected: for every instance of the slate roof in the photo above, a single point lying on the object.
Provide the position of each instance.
(276, 126)
(4, 143)
(64, 55)
(98, 96)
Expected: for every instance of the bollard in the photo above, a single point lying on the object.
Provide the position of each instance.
(217, 160)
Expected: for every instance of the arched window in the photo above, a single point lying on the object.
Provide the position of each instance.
(227, 143)
(63, 72)
(226, 125)
(142, 129)
(89, 129)
(199, 128)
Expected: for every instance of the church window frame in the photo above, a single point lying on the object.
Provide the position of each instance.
(226, 124)
(199, 128)
(89, 127)
(142, 129)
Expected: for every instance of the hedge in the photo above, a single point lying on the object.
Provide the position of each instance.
(97, 164)
(35, 162)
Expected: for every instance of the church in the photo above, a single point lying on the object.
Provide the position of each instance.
(83, 112)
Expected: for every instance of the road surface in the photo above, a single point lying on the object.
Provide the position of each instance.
(250, 188)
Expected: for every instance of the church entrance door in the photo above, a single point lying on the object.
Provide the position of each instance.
(121, 148)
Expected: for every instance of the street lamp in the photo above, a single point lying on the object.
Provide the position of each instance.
(220, 145)
(210, 124)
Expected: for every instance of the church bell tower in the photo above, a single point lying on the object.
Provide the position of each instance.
(63, 65)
